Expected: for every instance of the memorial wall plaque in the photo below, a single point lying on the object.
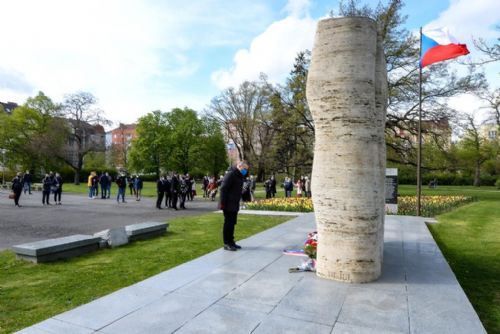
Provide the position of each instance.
(391, 190)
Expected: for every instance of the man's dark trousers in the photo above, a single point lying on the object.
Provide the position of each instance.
(228, 230)
(168, 199)
(174, 200)
(159, 199)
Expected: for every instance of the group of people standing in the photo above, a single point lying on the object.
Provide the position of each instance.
(303, 187)
(175, 188)
(52, 183)
(102, 181)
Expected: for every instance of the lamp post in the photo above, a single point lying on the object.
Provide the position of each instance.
(3, 165)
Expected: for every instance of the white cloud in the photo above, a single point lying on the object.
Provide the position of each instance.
(130, 54)
(272, 52)
(467, 19)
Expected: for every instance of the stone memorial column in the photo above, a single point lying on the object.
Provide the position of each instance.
(347, 94)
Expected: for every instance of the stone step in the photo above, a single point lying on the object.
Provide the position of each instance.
(56, 249)
(145, 230)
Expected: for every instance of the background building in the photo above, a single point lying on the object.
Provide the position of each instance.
(118, 142)
(8, 107)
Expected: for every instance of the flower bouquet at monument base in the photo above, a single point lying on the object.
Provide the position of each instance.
(310, 250)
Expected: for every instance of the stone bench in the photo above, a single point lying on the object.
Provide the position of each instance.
(145, 230)
(55, 249)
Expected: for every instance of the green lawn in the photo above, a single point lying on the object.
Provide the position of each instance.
(469, 238)
(480, 193)
(30, 293)
(149, 189)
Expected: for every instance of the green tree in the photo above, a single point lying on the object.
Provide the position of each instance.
(292, 121)
(95, 161)
(150, 151)
(474, 149)
(33, 134)
(211, 151)
(184, 136)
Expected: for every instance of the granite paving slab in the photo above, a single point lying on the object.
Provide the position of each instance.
(251, 291)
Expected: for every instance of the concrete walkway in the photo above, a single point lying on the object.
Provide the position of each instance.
(251, 291)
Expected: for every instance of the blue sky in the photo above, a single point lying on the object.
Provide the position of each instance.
(137, 56)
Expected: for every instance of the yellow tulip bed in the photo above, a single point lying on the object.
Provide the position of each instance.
(293, 204)
(431, 205)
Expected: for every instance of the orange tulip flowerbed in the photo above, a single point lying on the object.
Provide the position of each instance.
(431, 205)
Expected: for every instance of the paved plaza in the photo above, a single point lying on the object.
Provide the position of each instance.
(79, 215)
(251, 291)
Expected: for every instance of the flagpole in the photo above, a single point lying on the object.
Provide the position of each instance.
(419, 133)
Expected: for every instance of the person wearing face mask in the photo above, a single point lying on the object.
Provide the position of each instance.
(229, 203)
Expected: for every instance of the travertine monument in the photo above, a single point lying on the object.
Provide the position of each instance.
(347, 94)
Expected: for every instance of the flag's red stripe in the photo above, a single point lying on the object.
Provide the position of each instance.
(443, 52)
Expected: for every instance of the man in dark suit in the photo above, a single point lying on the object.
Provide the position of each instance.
(273, 186)
(230, 195)
(174, 189)
(167, 186)
(160, 189)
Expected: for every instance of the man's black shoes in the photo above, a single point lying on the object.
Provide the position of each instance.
(230, 248)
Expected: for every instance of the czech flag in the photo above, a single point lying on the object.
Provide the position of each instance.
(439, 45)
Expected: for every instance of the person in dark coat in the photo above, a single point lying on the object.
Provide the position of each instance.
(95, 185)
(121, 182)
(103, 181)
(110, 181)
(267, 187)
(160, 190)
(184, 187)
(46, 187)
(167, 188)
(27, 181)
(246, 195)
(230, 195)
(17, 188)
(174, 189)
(288, 186)
(273, 186)
(138, 184)
(57, 185)
(131, 181)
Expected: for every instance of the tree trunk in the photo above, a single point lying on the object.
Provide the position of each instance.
(477, 175)
(77, 177)
(346, 92)
(78, 169)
